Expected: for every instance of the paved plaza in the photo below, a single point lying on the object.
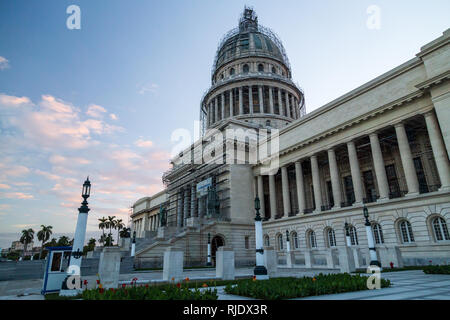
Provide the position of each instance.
(406, 285)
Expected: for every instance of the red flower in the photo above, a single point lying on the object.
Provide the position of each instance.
(101, 290)
(124, 285)
(98, 281)
(146, 285)
(179, 285)
(85, 282)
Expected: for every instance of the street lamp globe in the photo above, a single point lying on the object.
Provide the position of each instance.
(86, 189)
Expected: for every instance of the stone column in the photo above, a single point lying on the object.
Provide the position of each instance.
(250, 99)
(300, 187)
(109, 267)
(261, 195)
(271, 100)
(180, 209)
(216, 109)
(223, 105)
(380, 170)
(225, 263)
(280, 102)
(316, 183)
(241, 104)
(273, 197)
(193, 201)
(288, 107)
(356, 173)
(407, 161)
(261, 99)
(335, 180)
(285, 187)
(439, 151)
(294, 108)
(231, 102)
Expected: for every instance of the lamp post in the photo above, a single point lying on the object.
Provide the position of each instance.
(208, 262)
(260, 270)
(347, 235)
(69, 287)
(133, 244)
(373, 253)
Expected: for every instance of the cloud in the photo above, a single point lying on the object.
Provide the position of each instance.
(95, 111)
(141, 143)
(113, 117)
(16, 195)
(13, 101)
(4, 186)
(55, 123)
(4, 63)
(148, 87)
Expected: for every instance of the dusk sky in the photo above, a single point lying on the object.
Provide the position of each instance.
(104, 100)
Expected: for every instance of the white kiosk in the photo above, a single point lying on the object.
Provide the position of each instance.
(58, 260)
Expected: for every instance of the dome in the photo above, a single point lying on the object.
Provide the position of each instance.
(249, 39)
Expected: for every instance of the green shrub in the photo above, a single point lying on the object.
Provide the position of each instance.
(286, 288)
(437, 269)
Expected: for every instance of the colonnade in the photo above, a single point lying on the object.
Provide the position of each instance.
(439, 153)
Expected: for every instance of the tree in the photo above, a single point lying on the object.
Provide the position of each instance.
(26, 238)
(91, 243)
(63, 241)
(102, 239)
(43, 235)
(102, 225)
(125, 233)
(119, 226)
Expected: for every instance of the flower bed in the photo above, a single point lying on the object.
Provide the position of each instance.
(171, 292)
(286, 288)
(437, 269)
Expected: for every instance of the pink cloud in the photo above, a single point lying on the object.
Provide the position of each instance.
(16, 195)
(141, 143)
(95, 111)
(12, 101)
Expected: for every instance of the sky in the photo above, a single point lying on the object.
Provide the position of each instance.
(104, 100)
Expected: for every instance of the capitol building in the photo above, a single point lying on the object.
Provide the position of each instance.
(383, 146)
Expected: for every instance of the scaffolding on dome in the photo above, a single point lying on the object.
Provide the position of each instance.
(249, 22)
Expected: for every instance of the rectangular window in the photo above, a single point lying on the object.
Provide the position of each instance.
(369, 185)
(423, 186)
(247, 242)
(394, 188)
(348, 188)
(330, 194)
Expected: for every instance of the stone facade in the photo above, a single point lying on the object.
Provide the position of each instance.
(384, 145)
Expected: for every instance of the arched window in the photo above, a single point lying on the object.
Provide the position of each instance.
(331, 238)
(353, 236)
(440, 229)
(280, 241)
(267, 123)
(294, 240)
(231, 71)
(406, 232)
(260, 67)
(312, 239)
(222, 76)
(245, 68)
(266, 240)
(377, 233)
(274, 70)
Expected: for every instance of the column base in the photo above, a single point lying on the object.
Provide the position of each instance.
(260, 273)
(383, 199)
(375, 263)
(191, 222)
(444, 189)
(412, 194)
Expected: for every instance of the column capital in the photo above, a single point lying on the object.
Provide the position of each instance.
(429, 113)
(400, 124)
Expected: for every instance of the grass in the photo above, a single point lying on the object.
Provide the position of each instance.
(444, 269)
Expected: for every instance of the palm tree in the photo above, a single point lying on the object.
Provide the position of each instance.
(102, 225)
(119, 226)
(111, 225)
(125, 233)
(102, 239)
(43, 235)
(26, 238)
